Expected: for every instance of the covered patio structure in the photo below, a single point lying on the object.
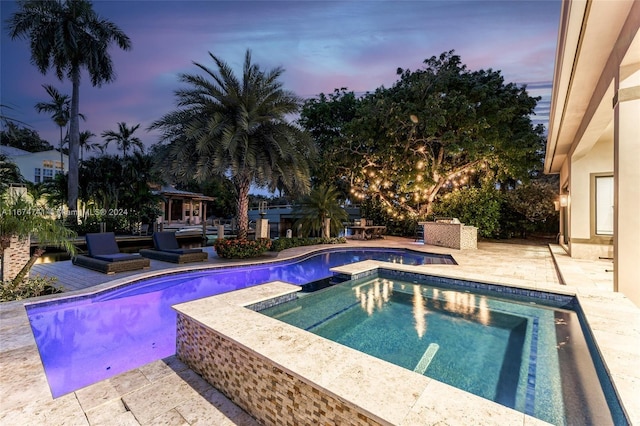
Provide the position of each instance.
(182, 208)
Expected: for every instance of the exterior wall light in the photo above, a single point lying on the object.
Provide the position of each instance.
(564, 200)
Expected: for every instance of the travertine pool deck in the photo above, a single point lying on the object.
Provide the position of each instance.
(167, 392)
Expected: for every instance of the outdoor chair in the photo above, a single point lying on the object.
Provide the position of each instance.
(103, 255)
(141, 229)
(167, 249)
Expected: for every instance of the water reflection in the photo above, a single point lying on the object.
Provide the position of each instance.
(375, 295)
(419, 311)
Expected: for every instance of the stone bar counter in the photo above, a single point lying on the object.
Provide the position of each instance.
(450, 233)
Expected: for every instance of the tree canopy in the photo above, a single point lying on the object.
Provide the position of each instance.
(23, 138)
(436, 129)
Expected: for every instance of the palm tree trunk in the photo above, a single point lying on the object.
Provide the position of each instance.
(74, 145)
(27, 267)
(242, 186)
(61, 156)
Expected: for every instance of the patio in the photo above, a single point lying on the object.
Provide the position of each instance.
(166, 392)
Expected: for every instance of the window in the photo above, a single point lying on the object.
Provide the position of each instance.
(37, 175)
(47, 175)
(604, 205)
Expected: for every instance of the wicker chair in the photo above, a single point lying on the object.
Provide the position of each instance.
(104, 255)
(167, 249)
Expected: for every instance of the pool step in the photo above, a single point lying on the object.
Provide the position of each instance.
(427, 357)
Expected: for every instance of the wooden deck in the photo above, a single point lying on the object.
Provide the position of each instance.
(72, 277)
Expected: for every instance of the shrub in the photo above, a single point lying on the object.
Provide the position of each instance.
(241, 249)
(479, 207)
(285, 243)
(30, 287)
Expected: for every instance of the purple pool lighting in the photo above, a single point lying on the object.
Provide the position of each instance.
(87, 339)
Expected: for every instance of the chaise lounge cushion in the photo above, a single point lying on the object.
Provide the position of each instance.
(117, 257)
(101, 243)
(103, 246)
(184, 251)
(166, 241)
(167, 249)
(104, 255)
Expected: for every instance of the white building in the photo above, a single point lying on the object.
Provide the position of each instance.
(594, 135)
(37, 167)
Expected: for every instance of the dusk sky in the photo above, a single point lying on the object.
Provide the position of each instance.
(322, 45)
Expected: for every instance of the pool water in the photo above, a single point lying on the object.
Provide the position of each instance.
(529, 357)
(86, 339)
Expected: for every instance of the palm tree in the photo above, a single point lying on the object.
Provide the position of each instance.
(9, 172)
(68, 35)
(87, 146)
(321, 204)
(59, 109)
(47, 231)
(123, 138)
(237, 127)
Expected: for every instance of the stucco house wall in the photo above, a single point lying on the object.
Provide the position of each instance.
(594, 132)
(48, 162)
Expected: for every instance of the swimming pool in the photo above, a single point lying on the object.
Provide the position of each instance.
(527, 354)
(85, 339)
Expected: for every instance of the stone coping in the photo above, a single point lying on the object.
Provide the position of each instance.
(450, 271)
(618, 356)
(389, 394)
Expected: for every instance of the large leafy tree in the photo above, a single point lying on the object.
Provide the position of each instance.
(137, 197)
(124, 138)
(237, 127)
(101, 181)
(121, 186)
(58, 107)
(23, 138)
(326, 118)
(436, 129)
(69, 36)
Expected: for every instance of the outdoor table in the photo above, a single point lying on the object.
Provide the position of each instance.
(361, 232)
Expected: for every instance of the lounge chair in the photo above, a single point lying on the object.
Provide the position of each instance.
(105, 256)
(167, 249)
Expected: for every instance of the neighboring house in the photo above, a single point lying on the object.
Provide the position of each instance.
(37, 167)
(594, 135)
